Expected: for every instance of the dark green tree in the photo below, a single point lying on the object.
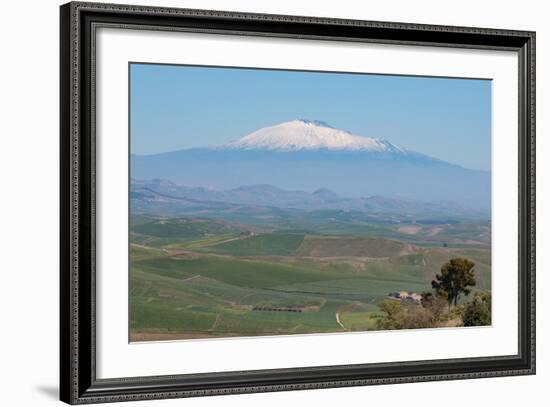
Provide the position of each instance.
(427, 299)
(457, 275)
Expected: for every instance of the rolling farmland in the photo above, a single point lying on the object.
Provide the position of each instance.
(206, 278)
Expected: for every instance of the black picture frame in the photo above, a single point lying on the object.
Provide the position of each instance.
(78, 382)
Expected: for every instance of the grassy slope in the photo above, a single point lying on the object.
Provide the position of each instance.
(328, 246)
(209, 285)
(163, 232)
(166, 301)
(260, 245)
(168, 295)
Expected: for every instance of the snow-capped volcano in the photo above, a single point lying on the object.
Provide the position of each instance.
(310, 135)
(311, 155)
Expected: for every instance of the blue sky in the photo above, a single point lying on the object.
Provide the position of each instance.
(177, 107)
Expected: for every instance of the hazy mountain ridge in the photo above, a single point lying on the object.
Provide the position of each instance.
(154, 194)
(309, 155)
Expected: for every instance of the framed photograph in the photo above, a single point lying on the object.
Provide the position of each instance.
(254, 203)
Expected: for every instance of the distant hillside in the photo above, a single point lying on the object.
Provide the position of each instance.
(269, 202)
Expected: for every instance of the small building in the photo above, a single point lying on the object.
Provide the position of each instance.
(406, 296)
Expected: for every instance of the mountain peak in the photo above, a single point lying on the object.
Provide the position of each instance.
(310, 135)
(326, 194)
(318, 123)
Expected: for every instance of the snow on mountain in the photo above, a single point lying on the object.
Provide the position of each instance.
(310, 135)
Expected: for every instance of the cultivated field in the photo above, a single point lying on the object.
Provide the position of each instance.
(201, 278)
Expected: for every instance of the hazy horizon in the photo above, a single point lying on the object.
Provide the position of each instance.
(181, 107)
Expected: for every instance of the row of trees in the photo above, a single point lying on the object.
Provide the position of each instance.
(440, 307)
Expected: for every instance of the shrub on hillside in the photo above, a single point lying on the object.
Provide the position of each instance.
(477, 312)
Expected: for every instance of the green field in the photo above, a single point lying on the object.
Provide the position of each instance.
(201, 278)
(260, 245)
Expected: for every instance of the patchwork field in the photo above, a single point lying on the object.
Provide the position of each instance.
(203, 278)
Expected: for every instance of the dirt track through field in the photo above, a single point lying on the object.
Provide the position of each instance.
(339, 322)
(216, 322)
(190, 278)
